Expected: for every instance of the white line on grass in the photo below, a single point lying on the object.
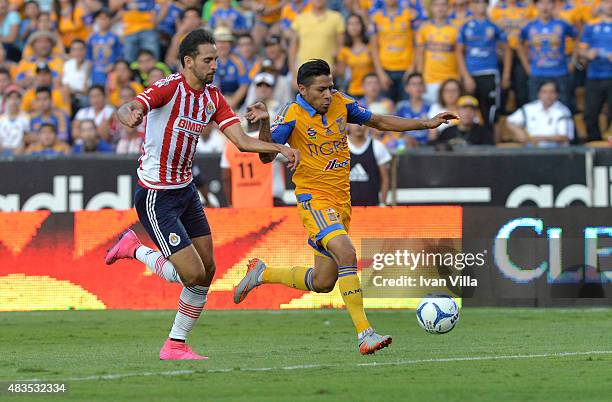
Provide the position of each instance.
(119, 376)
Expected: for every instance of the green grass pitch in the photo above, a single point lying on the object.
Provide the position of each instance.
(492, 355)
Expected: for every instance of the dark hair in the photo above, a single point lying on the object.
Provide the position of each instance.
(368, 75)
(98, 87)
(189, 45)
(244, 35)
(31, 2)
(82, 42)
(549, 82)
(5, 71)
(145, 51)
(411, 76)
(312, 69)
(191, 9)
(92, 121)
(50, 125)
(348, 41)
(444, 85)
(43, 89)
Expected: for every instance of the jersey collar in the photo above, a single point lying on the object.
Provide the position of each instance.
(305, 105)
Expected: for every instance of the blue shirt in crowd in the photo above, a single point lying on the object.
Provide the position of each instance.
(168, 24)
(103, 50)
(102, 146)
(598, 36)
(233, 18)
(480, 38)
(404, 109)
(546, 42)
(231, 74)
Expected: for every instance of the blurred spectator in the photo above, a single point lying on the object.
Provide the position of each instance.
(103, 48)
(435, 56)
(477, 47)
(14, 123)
(511, 16)
(5, 81)
(267, 14)
(156, 74)
(75, 79)
(460, 12)
(232, 77)
(393, 45)
(356, 58)
(71, 25)
(31, 12)
(118, 131)
(414, 108)
(369, 176)
(317, 34)
(542, 51)
(211, 141)
(450, 92)
(466, 131)
(130, 141)
(596, 46)
(90, 139)
(9, 30)
(45, 24)
(545, 122)
(47, 114)
(145, 63)
(245, 48)
(191, 20)
(282, 92)
(227, 16)
(372, 95)
(290, 11)
(264, 92)
(121, 77)
(42, 43)
(274, 51)
(98, 111)
(44, 78)
(138, 18)
(47, 142)
(168, 14)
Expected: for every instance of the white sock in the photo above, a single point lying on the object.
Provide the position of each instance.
(191, 304)
(157, 263)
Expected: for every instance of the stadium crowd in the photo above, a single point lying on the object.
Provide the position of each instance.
(514, 72)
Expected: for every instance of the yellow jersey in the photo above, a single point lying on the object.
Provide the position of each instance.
(318, 35)
(439, 42)
(511, 19)
(325, 163)
(395, 37)
(274, 17)
(359, 64)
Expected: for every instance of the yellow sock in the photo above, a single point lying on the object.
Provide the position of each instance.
(295, 277)
(350, 288)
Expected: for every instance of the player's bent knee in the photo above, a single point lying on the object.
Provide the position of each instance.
(324, 285)
(195, 279)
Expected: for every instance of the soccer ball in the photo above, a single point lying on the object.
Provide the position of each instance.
(437, 314)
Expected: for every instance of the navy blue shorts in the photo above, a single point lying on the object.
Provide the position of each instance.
(171, 217)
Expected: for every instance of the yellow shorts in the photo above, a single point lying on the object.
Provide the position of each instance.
(323, 220)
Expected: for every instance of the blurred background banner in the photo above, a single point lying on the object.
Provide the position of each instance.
(55, 261)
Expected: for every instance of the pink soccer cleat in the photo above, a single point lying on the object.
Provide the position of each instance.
(173, 350)
(124, 248)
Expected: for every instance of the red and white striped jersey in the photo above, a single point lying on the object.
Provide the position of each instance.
(176, 115)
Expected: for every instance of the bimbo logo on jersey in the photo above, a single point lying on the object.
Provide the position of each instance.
(189, 125)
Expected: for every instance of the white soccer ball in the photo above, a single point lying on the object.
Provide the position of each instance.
(437, 314)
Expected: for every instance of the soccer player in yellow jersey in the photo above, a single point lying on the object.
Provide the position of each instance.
(316, 125)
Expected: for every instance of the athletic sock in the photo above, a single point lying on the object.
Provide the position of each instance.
(350, 288)
(191, 304)
(157, 263)
(295, 277)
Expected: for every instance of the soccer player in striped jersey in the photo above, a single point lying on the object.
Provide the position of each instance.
(316, 124)
(178, 108)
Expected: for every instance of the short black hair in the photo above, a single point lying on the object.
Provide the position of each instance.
(4, 71)
(191, 9)
(43, 89)
(411, 76)
(245, 35)
(50, 125)
(312, 69)
(368, 75)
(98, 87)
(549, 82)
(81, 41)
(145, 51)
(189, 45)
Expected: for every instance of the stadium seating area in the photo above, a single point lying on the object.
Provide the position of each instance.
(66, 65)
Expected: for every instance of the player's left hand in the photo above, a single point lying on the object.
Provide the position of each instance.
(441, 118)
(257, 112)
(293, 155)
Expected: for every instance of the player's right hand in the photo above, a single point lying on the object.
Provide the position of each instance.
(134, 118)
(293, 155)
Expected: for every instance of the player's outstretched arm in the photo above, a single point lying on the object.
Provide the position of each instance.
(258, 112)
(247, 144)
(394, 123)
(131, 114)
